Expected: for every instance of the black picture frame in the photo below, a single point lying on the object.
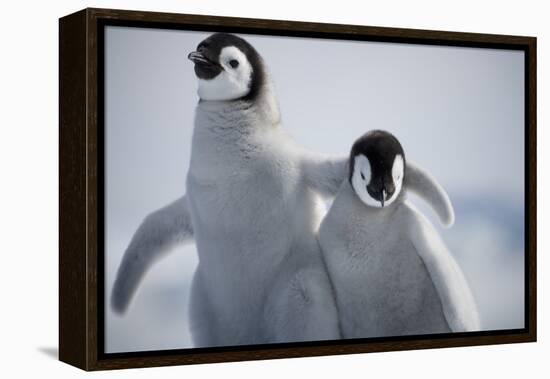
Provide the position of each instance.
(81, 164)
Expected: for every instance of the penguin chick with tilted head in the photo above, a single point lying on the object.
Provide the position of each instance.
(253, 207)
(391, 271)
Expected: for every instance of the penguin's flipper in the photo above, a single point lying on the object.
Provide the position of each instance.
(457, 300)
(159, 231)
(420, 182)
(323, 173)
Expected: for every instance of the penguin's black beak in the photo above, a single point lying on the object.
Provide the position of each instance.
(198, 57)
(380, 191)
(205, 67)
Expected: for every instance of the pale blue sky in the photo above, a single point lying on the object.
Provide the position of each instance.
(457, 111)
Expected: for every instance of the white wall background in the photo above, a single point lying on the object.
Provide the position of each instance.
(28, 161)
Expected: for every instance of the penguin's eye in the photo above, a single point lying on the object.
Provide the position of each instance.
(362, 176)
(234, 63)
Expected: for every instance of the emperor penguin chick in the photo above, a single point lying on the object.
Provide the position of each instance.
(391, 272)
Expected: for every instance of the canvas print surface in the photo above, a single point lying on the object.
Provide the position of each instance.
(267, 189)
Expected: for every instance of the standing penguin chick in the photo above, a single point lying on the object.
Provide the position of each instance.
(391, 272)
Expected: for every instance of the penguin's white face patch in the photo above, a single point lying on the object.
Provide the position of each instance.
(361, 178)
(233, 82)
(397, 173)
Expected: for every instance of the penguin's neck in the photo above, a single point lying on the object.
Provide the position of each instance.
(241, 116)
(230, 135)
(368, 215)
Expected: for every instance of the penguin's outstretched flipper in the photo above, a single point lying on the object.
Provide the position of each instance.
(423, 184)
(457, 301)
(324, 173)
(158, 233)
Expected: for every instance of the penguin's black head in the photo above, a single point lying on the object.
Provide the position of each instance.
(377, 168)
(227, 68)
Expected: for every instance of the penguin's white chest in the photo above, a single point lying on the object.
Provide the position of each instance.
(244, 196)
(242, 185)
